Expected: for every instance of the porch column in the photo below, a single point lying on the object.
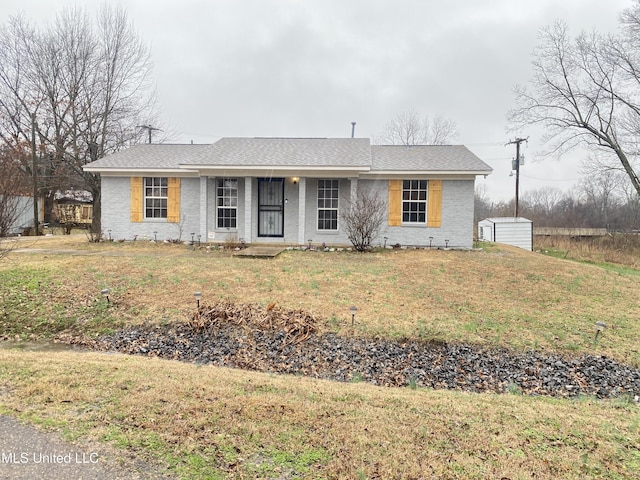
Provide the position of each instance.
(204, 208)
(354, 191)
(302, 209)
(247, 208)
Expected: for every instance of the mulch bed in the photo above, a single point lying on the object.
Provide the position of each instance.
(272, 339)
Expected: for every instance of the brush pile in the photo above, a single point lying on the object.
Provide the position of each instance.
(296, 325)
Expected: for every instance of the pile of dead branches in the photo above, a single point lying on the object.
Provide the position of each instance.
(297, 325)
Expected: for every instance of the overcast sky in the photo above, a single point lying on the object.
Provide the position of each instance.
(308, 68)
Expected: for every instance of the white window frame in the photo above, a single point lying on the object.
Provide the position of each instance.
(328, 204)
(156, 197)
(226, 202)
(414, 201)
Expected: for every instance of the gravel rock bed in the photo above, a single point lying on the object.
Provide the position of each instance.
(381, 362)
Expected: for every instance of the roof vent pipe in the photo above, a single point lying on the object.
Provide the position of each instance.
(353, 129)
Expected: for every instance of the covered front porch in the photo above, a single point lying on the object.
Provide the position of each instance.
(291, 209)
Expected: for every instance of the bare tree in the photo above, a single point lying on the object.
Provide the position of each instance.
(598, 185)
(364, 218)
(441, 130)
(483, 206)
(408, 128)
(584, 92)
(539, 204)
(88, 84)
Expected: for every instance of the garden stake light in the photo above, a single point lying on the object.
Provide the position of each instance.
(197, 295)
(105, 293)
(353, 310)
(155, 236)
(430, 240)
(600, 326)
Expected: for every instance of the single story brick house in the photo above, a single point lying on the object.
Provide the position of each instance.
(288, 190)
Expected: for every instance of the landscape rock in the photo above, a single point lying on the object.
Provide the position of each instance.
(380, 362)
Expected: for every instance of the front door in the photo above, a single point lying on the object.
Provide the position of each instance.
(271, 207)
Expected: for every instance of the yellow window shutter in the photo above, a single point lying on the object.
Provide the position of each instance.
(173, 200)
(136, 199)
(434, 205)
(395, 203)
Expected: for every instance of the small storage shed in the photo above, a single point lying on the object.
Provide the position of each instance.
(516, 231)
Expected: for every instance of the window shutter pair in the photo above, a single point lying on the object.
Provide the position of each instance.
(434, 203)
(173, 199)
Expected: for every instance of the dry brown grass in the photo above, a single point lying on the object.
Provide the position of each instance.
(504, 296)
(620, 249)
(211, 422)
(217, 423)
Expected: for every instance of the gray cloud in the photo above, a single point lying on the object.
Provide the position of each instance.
(309, 68)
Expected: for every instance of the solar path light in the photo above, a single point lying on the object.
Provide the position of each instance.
(600, 326)
(353, 310)
(105, 294)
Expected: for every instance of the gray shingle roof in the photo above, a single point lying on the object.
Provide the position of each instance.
(296, 152)
(154, 156)
(440, 158)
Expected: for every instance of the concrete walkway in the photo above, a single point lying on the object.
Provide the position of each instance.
(259, 251)
(29, 453)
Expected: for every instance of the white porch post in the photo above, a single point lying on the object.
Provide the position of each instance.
(204, 208)
(302, 209)
(247, 208)
(354, 191)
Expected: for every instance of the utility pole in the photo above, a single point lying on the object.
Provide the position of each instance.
(516, 164)
(34, 175)
(149, 128)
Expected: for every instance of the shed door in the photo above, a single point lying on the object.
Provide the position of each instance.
(271, 207)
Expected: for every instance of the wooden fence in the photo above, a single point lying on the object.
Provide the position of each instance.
(570, 232)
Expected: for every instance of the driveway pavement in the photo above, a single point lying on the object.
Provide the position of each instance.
(29, 453)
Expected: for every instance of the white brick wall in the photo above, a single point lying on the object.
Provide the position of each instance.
(457, 214)
(116, 212)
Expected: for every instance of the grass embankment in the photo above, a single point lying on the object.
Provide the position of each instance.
(501, 296)
(208, 422)
(619, 252)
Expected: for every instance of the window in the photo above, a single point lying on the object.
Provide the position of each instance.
(155, 197)
(414, 201)
(328, 204)
(227, 203)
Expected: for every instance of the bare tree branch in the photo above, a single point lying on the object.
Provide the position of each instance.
(582, 93)
(408, 128)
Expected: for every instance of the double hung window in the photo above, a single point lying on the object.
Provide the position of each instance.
(227, 202)
(155, 197)
(328, 204)
(414, 201)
